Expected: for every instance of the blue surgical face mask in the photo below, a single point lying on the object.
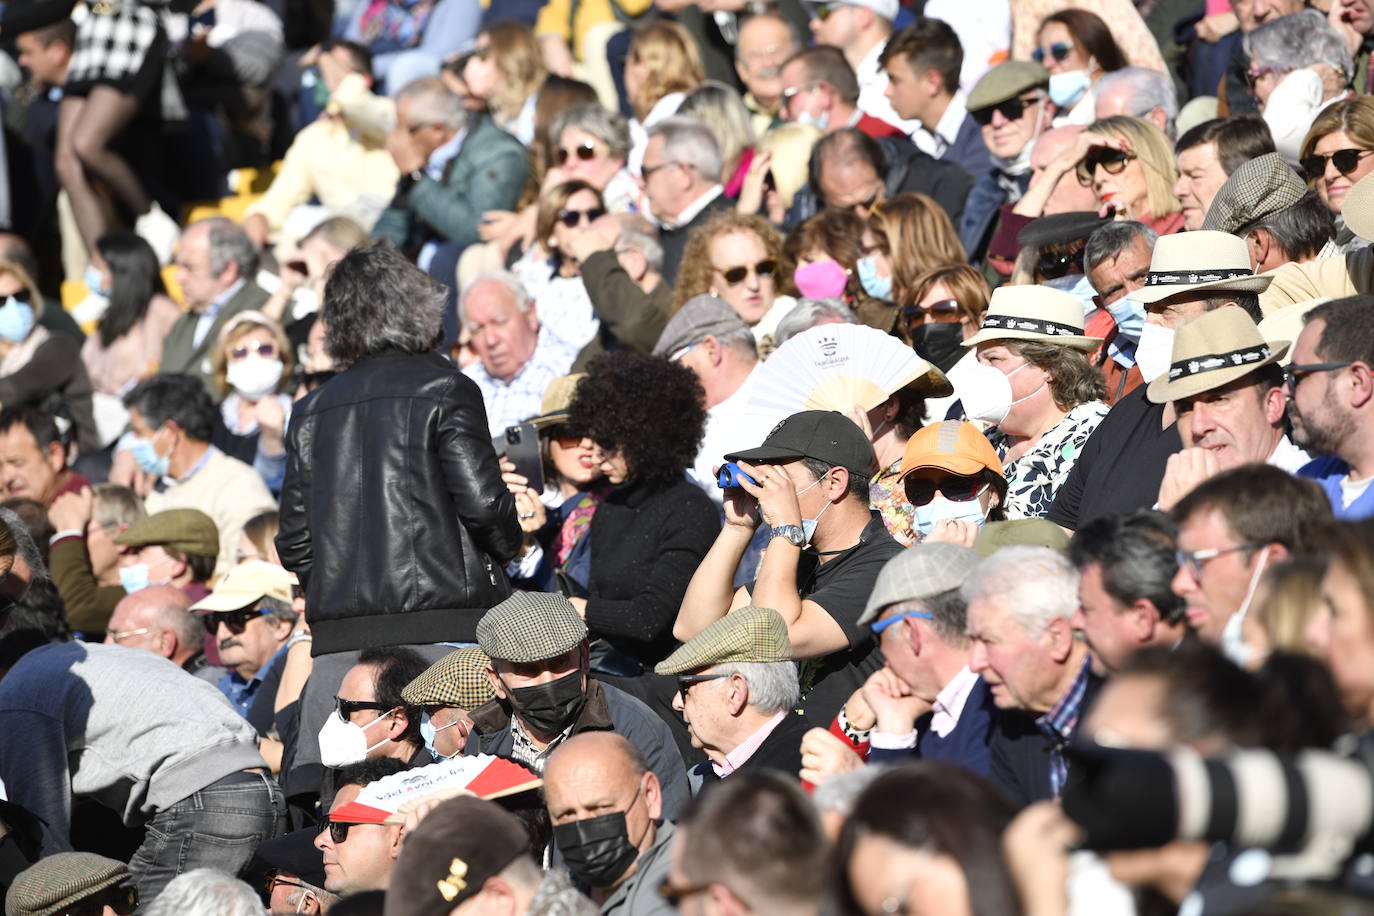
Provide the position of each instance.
(1078, 286)
(1067, 88)
(95, 281)
(1129, 315)
(137, 577)
(941, 509)
(807, 117)
(876, 286)
(145, 453)
(427, 733)
(16, 320)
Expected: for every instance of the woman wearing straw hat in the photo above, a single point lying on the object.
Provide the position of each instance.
(1038, 389)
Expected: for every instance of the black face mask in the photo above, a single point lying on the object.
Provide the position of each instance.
(549, 708)
(940, 342)
(597, 850)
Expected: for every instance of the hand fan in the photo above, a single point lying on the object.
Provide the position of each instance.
(387, 800)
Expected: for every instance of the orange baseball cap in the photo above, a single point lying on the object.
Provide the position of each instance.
(953, 446)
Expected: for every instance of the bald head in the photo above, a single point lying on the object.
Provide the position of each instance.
(609, 755)
(158, 619)
(1068, 195)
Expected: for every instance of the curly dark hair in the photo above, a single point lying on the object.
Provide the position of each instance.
(652, 410)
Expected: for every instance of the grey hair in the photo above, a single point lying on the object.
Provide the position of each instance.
(24, 542)
(174, 614)
(376, 300)
(206, 892)
(1034, 584)
(950, 614)
(1148, 89)
(807, 313)
(838, 793)
(1114, 238)
(116, 505)
(275, 607)
(1299, 40)
(691, 143)
(610, 127)
(229, 244)
(638, 232)
(506, 279)
(1301, 230)
(773, 686)
(327, 900)
(432, 102)
(742, 341)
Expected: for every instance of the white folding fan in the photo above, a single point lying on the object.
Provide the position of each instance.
(836, 366)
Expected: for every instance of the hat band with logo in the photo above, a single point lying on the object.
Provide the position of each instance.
(1031, 325)
(1193, 277)
(1216, 361)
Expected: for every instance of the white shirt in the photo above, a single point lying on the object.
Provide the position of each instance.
(562, 303)
(728, 428)
(872, 84)
(1288, 456)
(690, 212)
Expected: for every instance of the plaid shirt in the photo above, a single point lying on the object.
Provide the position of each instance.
(513, 402)
(524, 750)
(1059, 724)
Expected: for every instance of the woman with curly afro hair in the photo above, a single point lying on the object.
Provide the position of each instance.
(653, 528)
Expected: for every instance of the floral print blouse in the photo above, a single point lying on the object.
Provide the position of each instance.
(1035, 477)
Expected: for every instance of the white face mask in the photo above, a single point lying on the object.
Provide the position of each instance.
(254, 378)
(1232, 641)
(808, 525)
(342, 743)
(1155, 352)
(988, 397)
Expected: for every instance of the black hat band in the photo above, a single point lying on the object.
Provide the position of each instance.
(1193, 277)
(1213, 362)
(1030, 325)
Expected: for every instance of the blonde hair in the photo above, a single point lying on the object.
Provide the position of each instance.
(553, 201)
(1293, 595)
(694, 277)
(1156, 157)
(239, 326)
(720, 108)
(516, 54)
(669, 52)
(261, 529)
(1354, 116)
(918, 236)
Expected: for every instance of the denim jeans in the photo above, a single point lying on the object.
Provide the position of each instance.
(219, 826)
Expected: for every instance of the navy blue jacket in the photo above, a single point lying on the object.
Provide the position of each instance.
(966, 744)
(968, 150)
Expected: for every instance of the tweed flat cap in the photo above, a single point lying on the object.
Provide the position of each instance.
(1256, 191)
(530, 627)
(458, 679)
(1007, 81)
(750, 634)
(919, 572)
(184, 530)
(698, 317)
(54, 884)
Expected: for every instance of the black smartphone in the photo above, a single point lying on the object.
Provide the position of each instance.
(520, 445)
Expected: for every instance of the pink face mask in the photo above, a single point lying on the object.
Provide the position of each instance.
(821, 279)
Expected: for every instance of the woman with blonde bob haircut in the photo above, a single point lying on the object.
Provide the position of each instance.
(506, 70)
(737, 257)
(1336, 153)
(663, 60)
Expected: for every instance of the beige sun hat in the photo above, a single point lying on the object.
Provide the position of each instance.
(1216, 349)
(1287, 323)
(1201, 260)
(1034, 313)
(1358, 209)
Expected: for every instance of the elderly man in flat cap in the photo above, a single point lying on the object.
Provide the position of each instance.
(540, 672)
(737, 690)
(176, 547)
(72, 882)
(447, 693)
(1279, 216)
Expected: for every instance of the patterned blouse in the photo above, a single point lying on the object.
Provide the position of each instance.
(1035, 477)
(888, 496)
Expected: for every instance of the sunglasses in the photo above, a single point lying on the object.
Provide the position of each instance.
(737, 275)
(685, 682)
(1054, 266)
(585, 152)
(1012, 110)
(1295, 373)
(274, 881)
(346, 708)
(338, 830)
(265, 350)
(234, 621)
(943, 310)
(1345, 161)
(1112, 161)
(921, 490)
(565, 437)
(481, 53)
(572, 218)
(1058, 52)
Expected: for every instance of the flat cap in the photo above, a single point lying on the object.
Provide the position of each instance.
(245, 584)
(458, 679)
(750, 634)
(1256, 191)
(698, 317)
(1020, 532)
(52, 885)
(183, 530)
(553, 407)
(530, 627)
(919, 572)
(1007, 81)
(457, 847)
(1060, 228)
(294, 854)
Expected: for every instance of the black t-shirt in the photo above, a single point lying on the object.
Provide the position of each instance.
(842, 586)
(1121, 465)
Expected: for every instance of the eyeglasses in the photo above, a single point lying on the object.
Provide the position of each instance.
(1192, 560)
(481, 53)
(878, 626)
(646, 170)
(572, 218)
(1345, 161)
(943, 310)
(737, 275)
(1295, 373)
(274, 881)
(685, 682)
(123, 900)
(674, 894)
(265, 350)
(792, 92)
(1053, 266)
(1112, 161)
(1058, 52)
(584, 151)
(921, 490)
(234, 621)
(346, 708)
(338, 830)
(416, 128)
(119, 636)
(1012, 110)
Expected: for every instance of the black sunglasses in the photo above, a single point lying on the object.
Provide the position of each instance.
(234, 621)
(571, 218)
(338, 830)
(586, 152)
(1296, 372)
(736, 275)
(921, 490)
(1053, 266)
(1012, 110)
(685, 682)
(346, 708)
(1112, 161)
(1345, 161)
(915, 315)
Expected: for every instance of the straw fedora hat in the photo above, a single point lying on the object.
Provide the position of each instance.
(1034, 313)
(1201, 260)
(558, 397)
(1216, 349)
(1358, 209)
(1287, 323)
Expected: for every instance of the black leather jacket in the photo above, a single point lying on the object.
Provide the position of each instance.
(393, 511)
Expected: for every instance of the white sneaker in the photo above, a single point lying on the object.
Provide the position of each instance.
(160, 231)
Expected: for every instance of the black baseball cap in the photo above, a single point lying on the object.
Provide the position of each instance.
(825, 435)
(295, 854)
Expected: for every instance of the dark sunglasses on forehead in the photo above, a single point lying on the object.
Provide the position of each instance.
(585, 152)
(921, 490)
(1058, 52)
(1112, 161)
(1345, 161)
(234, 621)
(736, 275)
(1012, 110)
(572, 218)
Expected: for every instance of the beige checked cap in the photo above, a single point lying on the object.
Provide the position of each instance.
(750, 634)
(458, 679)
(53, 885)
(1256, 191)
(530, 627)
(920, 571)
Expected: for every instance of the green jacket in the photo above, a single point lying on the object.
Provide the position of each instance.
(630, 317)
(488, 173)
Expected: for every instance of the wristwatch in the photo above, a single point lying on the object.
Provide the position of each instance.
(793, 533)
